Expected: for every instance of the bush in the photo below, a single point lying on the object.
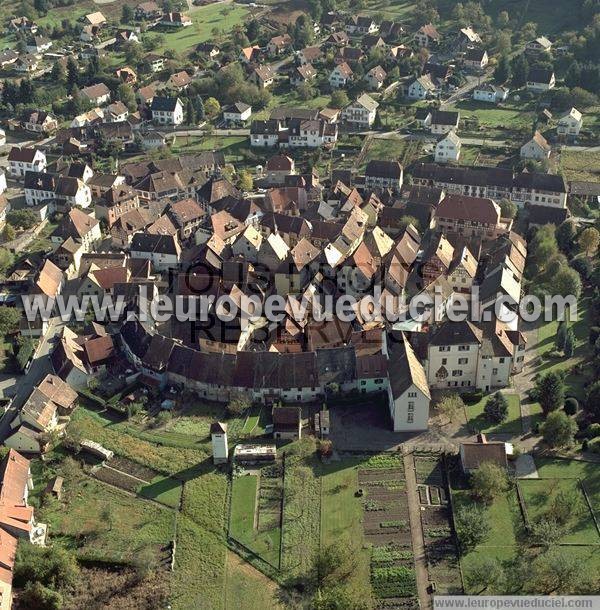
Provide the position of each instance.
(593, 431)
(472, 398)
(496, 408)
(585, 445)
(594, 334)
(571, 405)
(594, 445)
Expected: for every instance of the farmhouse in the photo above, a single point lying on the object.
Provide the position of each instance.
(540, 80)
(448, 149)
(570, 124)
(537, 148)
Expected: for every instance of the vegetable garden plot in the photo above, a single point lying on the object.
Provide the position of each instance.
(386, 526)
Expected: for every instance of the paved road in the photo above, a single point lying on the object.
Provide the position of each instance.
(40, 367)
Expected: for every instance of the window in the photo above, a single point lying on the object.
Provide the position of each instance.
(444, 348)
(502, 360)
(412, 394)
(457, 373)
(411, 406)
(463, 361)
(409, 418)
(463, 348)
(494, 371)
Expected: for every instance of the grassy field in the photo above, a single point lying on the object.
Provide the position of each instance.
(341, 515)
(546, 335)
(479, 422)
(539, 495)
(392, 148)
(244, 518)
(205, 19)
(301, 513)
(113, 524)
(490, 117)
(506, 523)
(165, 490)
(587, 472)
(199, 577)
(248, 588)
(580, 165)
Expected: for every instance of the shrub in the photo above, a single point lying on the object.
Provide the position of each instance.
(585, 444)
(472, 398)
(496, 408)
(593, 431)
(571, 405)
(594, 445)
(594, 334)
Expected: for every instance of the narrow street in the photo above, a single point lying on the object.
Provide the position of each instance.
(416, 531)
(40, 366)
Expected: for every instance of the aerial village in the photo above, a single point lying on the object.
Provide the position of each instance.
(303, 155)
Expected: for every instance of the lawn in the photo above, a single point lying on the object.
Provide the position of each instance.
(248, 588)
(546, 335)
(199, 577)
(539, 494)
(301, 515)
(580, 165)
(479, 422)
(254, 526)
(220, 16)
(165, 490)
(100, 521)
(392, 148)
(235, 148)
(587, 472)
(494, 117)
(342, 514)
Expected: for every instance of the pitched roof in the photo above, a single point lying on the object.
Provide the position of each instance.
(405, 370)
(465, 208)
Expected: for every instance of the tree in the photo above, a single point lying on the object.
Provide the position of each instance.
(127, 96)
(503, 18)
(472, 526)
(584, 267)
(502, 70)
(245, 182)
(567, 282)
(550, 391)
(23, 219)
(561, 335)
(589, 240)
(449, 406)
(485, 575)
(520, 70)
(212, 107)
(565, 235)
(569, 344)
(72, 73)
(126, 14)
(557, 573)
(558, 430)
(58, 74)
(593, 399)
(339, 99)
(253, 30)
(566, 506)
(496, 408)
(508, 209)
(332, 565)
(546, 532)
(37, 596)
(6, 260)
(190, 113)
(237, 405)
(8, 233)
(488, 481)
(9, 319)
(571, 405)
